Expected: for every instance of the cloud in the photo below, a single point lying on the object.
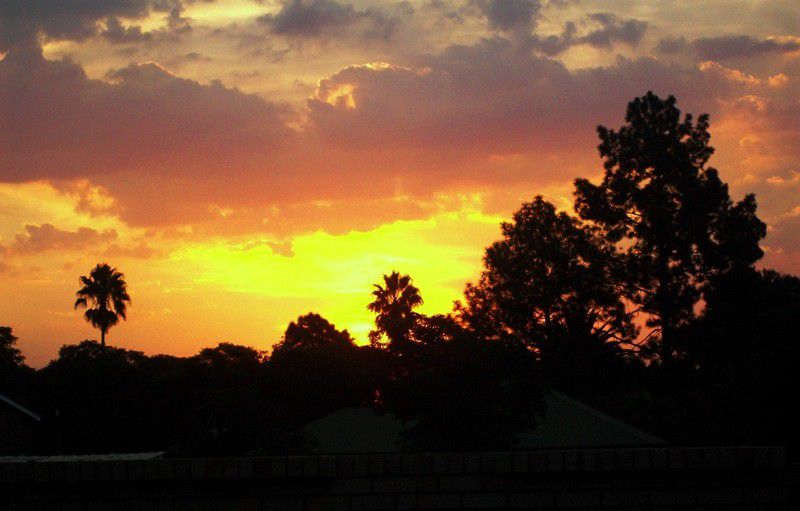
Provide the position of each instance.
(40, 238)
(510, 14)
(606, 30)
(22, 21)
(730, 46)
(313, 18)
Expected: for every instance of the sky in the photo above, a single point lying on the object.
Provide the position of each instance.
(245, 162)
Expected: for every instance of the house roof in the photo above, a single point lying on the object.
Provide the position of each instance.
(13, 404)
(127, 456)
(567, 424)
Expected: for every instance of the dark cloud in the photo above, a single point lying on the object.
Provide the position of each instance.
(613, 29)
(117, 33)
(22, 21)
(671, 45)
(510, 14)
(735, 46)
(40, 238)
(312, 18)
(606, 30)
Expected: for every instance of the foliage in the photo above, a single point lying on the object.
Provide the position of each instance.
(104, 294)
(394, 303)
(669, 213)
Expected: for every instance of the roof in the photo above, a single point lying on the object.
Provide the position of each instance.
(13, 404)
(128, 456)
(567, 424)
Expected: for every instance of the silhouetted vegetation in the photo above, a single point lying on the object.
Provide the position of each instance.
(647, 305)
(104, 295)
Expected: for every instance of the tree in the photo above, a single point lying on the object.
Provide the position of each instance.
(10, 356)
(106, 291)
(550, 283)
(394, 304)
(312, 331)
(319, 369)
(670, 215)
(463, 392)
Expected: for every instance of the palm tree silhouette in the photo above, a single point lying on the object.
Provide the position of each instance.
(394, 305)
(107, 292)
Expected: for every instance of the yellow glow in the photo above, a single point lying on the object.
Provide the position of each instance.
(343, 95)
(196, 292)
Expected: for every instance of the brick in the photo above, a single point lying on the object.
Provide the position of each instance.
(727, 458)
(345, 465)
(537, 461)
(440, 463)
(401, 484)
(118, 471)
(676, 459)
(719, 496)
(624, 459)
(164, 468)
(327, 466)
(213, 467)
(504, 464)
(711, 459)
(277, 467)
(183, 469)
(572, 460)
(579, 498)
(620, 498)
(407, 501)
(589, 460)
(472, 463)
(102, 470)
(351, 485)
(294, 466)
(641, 459)
(310, 466)
(327, 503)
(766, 496)
(73, 471)
(484, 501)
(376, 465)
(658, 459)
(555, 461)
(360, 466)
(460, 483)
(695, 458)
(372, 502)
(440, 501)
(240, 504)
(391, 464)
(532, 500)
(455, 463)
(283, 504)
(672, 497)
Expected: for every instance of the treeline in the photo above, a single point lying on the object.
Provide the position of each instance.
(647, 305)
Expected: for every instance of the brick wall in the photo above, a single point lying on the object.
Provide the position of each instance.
(630, 479)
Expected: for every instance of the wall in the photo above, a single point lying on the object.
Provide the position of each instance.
(631, 479)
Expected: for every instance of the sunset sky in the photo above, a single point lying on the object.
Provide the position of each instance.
(244, 162)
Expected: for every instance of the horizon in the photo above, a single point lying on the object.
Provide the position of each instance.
(245, 163)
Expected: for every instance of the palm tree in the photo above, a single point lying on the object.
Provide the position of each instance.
(394, 305)
(107, 292)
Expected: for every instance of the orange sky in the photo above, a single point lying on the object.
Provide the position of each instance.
(247, 162)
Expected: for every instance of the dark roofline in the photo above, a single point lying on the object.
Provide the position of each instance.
(13, 404)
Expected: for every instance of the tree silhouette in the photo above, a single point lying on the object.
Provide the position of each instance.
(394, 303)
(312, 331)
(669, 213)
(550, 283)
(104, 294)
(10, 356)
